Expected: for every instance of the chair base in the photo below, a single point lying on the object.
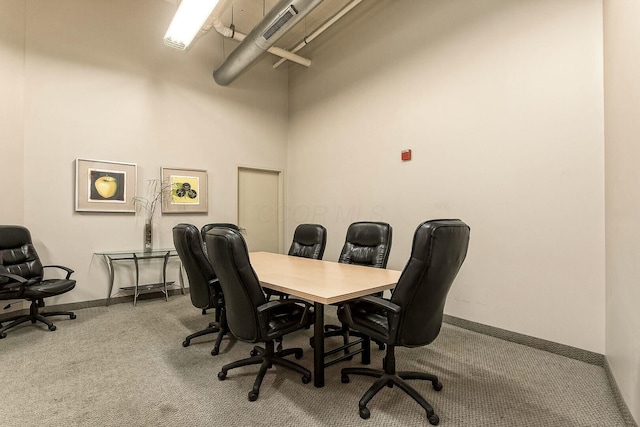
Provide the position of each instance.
(389, 377)
(266, 358)
(219, 326)
(389, 381)
(34, 316)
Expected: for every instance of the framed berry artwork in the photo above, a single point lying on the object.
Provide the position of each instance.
(186, 190)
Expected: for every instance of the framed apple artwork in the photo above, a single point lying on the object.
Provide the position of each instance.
(105, 186)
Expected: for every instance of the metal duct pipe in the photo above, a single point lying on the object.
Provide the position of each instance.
(275, 24)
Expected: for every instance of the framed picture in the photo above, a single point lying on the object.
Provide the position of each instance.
(105, 186)
(186, 190)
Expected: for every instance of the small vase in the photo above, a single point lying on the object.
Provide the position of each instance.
(148, 233)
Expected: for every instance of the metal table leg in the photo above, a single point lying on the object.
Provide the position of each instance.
(318, 345)
(136, 291)
(111, 277)
(164, 276)
(181, 279)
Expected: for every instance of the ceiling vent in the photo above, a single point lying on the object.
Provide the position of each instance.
(275, 24)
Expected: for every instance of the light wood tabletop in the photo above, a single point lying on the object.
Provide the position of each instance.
(325, 282)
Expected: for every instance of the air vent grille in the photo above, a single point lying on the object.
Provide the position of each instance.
(289, 13)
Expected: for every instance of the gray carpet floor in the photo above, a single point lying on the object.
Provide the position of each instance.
(125, 366)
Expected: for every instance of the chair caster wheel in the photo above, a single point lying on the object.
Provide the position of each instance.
(214, 352)
(306, 379)
(52, 327)
(3, 335)
(253, 396)
(185, 343)
(298, 354)
(222, 375)
(72, 316)
(434, 420)
(437, 386)
(381, 346)
(253, 353)
(279, 348)
(364, 413)
(344, 379)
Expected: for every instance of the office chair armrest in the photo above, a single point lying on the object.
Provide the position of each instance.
(265, 309)
(67, 269)
(380, 302)
(392, 310)
(217, 295)
(14, 277)
(16, 284)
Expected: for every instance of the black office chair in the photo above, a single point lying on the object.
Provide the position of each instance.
(367, 243)
(250, 317)
(309, 241)
(22, 277)
(211, 225)
(413, 315)
(204, 288)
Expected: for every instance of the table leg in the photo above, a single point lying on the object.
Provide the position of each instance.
(135, 291)
(111, 277)
(181, 279)
(318, 345)
(164, 276)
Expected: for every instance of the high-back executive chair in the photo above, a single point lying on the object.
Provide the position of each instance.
(251, 318)
(367, 243)
(208, 227)
(22, 277)
(309, 241)
(413, 315)
(211, 225)
(204, 288)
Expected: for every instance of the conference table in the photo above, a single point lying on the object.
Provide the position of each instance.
(323, 282)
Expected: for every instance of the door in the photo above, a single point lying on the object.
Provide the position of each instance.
(260, 208)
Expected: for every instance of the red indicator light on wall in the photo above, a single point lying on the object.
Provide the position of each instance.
(406, 155)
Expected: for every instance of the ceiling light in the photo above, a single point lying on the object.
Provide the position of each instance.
(187, 22)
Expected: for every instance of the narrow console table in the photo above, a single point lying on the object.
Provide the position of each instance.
(112, 258)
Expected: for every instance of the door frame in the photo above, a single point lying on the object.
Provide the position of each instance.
(280, 220)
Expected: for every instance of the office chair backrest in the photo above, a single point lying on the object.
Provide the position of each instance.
(188, 244)
(240, 285)
(309, 241)
(439, 248)
(209, 226)
(367, 243)
(18, 255)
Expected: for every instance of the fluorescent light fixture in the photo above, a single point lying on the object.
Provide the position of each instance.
(187, 22)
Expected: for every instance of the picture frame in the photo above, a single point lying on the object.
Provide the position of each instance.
(185, 191)
(105, 186)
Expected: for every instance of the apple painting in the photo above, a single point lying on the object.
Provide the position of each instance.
(106, 186)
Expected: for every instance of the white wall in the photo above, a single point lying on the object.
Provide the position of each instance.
(622, 103)
(502, 105)
(98, 83)
(11, 110)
